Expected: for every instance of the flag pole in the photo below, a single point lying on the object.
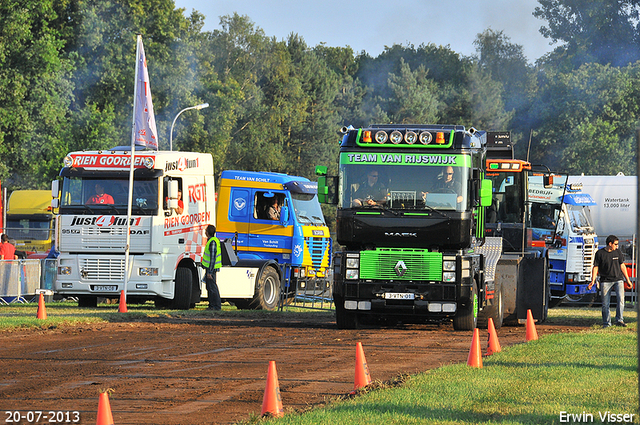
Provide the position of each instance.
(131, 168)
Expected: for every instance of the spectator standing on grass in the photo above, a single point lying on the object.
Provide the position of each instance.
(212, 261)
(609, 264)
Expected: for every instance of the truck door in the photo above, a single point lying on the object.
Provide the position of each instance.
(269, 237)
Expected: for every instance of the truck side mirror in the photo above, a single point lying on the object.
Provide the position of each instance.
(486, 192)
(172, 194)
(325, 195)
(284, 215)
(55, 191)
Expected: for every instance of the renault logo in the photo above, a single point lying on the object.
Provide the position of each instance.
(400, 268)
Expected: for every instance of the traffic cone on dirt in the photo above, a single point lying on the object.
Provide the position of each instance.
(494, 344)
(532, 334)
(42, 312)
(363, 377)
(104, 410)
(272, 403)
(122, 308)
(475, 355)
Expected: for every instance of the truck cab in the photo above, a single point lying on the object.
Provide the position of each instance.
(561, 219)
(410, 204)
(31, 220)
(276, 216)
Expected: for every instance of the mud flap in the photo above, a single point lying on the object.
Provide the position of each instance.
(533, 289)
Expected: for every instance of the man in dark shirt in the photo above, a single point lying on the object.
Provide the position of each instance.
(371, 192)
(609, 264)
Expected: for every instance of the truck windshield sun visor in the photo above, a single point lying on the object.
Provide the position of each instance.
(138, 173)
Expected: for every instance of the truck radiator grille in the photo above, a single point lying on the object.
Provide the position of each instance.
(387, 264)
(102, 269)
(319, 251)
(588, 255)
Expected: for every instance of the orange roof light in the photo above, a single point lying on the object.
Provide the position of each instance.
(367, 136)
(440, 138)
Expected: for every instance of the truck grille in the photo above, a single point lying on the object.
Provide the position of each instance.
(102, 269)
(384, 264)
(317, 249)
(588, 255)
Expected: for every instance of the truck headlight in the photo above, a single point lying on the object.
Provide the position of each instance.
(449, 276)
(353, 263)
(148, 271)
(449, 266)
(351, 274)
(64, 270)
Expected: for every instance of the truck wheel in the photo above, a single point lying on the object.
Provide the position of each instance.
(466, 319)
(345, 319)
(268, 291)
(183, 289)
(87, 301)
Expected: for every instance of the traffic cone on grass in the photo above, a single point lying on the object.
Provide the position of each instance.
(122, 308)
(363, 377)
(494, 344)
(272, 403)
(104, 410)
(42, 312)
(475, 355)
(532, 334)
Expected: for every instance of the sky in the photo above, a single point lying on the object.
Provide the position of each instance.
(370, 25)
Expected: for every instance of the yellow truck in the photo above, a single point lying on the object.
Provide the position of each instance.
(31, 220)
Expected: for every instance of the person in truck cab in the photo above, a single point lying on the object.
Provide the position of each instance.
(447, 184)
(371, 192)
(100, 197)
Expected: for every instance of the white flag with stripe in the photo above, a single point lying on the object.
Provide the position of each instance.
(145, 131)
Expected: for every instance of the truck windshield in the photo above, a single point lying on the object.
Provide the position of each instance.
(29, 229)
(404, 187)
(82, 195)
(580, 218)
(307, 208)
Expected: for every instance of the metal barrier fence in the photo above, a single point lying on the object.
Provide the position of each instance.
(19, 279)
(310, 294)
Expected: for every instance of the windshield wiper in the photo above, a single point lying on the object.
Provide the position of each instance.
(430, 208)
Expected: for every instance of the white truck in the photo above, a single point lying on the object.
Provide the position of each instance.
(615, 212)
(167, 233)
(561, 220)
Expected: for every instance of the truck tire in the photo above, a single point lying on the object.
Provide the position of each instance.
(183, 289)
(495, 311)
(87, 301)
(466, 319)
(268, 290)
(345, 319)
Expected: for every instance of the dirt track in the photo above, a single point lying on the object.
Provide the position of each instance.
(213, 369)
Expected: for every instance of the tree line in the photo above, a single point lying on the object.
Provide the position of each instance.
(67, 75)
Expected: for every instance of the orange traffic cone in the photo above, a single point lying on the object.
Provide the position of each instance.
(475, 355)
(494, 344)
(532, 334)
(363, 377)
(122, 308)
(42, 312)
(104, 410)
(272, 403)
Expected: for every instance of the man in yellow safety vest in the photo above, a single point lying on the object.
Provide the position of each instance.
(212, 249)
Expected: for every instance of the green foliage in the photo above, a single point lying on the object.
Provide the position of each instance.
(67, 67)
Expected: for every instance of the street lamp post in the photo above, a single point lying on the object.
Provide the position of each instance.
(204, 105)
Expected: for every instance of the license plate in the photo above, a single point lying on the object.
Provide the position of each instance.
(105, 288)
(398, 296)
